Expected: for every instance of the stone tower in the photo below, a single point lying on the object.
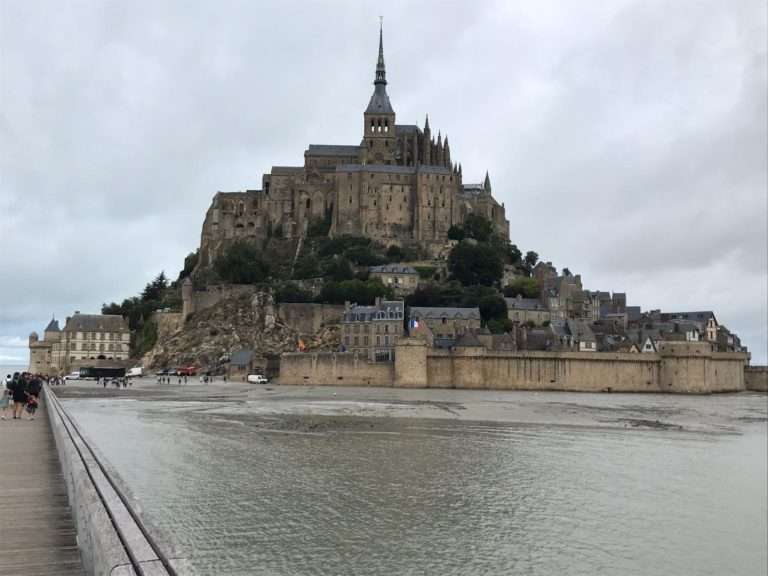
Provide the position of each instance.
(379, 137)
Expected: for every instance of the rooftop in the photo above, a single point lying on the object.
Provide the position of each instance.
(96, 323)
(445, 312)
(393, 269)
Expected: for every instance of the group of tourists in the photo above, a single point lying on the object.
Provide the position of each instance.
(21, 393)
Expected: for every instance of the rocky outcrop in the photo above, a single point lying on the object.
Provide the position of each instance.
(246, 321)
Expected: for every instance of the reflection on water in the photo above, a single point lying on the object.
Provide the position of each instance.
(438, 497)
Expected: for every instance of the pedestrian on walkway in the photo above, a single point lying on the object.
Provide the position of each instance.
(5, 398)
(33, 395)
(19, 391)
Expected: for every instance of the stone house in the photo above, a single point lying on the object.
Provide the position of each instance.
(402, 279)
(86, 339)
(526, 310)
(371, 331)
(446, 323)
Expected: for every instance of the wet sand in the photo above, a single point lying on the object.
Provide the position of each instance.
(326, 408)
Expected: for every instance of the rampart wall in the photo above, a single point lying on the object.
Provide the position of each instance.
(756, 378)
(308, 318)
(334, 369)
(681, 369)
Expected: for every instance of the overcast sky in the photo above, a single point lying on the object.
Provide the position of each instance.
(626, 138)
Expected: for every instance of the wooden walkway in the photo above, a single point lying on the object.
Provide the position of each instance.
(37, 532)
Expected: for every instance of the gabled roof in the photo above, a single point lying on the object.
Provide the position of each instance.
(393, 269)
(96, 323)
(468, 340)
(524, 304)
(445, 312)
(701, 316)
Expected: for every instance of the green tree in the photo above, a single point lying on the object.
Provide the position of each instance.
(306, 267)
(525, 287)
(456, 233)
(530, 260)
(478, 227)
(338, 269)
(189, 264)
(154, 290)
(492, 307)
(359, 291)
(395, 253)
(475, 264)
(241, 263)
(290, 292)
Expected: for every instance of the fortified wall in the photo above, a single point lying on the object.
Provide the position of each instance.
(756, 378)
(305, 317)
(688, 368)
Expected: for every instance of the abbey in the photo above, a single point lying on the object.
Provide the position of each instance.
(399, 186)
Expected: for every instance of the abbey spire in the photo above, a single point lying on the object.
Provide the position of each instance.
(379, 103)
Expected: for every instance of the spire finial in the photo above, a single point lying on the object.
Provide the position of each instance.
(381, 72)
(426, 123)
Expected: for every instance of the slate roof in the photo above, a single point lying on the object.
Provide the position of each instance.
(406, 128)
(369, 313)
(332, 150)
(524, 304)
(702, 316)
(445, 312)
(53, 326)
(96, 323)
(379, 103)
(383, 168)
(468, 340)
(392, 269)
(580, 331)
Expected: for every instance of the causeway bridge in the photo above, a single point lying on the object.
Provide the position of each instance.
(62, 512)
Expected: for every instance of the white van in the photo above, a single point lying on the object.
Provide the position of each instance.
(257, 379)
(135, 372)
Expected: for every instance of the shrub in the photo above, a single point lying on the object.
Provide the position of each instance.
(525, 287)
(241, 263)
(359, 291)
(473, 264)
(290, 292)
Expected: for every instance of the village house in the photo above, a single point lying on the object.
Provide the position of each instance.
(525, 310)
(446, 323)
(85, 339)
(402, 279)
(371, 331)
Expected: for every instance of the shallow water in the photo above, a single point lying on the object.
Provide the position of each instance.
(408, 496)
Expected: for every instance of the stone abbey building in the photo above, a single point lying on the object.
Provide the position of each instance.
(398, 186)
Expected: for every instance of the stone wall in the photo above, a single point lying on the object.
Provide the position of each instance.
(308, 318)
(334, 369)
(689, 369)
(197, 300)
(756, 378)
(168, 323)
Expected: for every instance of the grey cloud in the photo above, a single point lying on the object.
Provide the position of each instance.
(627, 139)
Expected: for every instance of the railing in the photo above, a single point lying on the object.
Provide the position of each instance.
(136, 549)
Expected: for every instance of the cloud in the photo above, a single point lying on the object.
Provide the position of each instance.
(627, 139)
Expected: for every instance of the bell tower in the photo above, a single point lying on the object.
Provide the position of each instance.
(379, 118)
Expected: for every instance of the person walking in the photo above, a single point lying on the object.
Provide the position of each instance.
(19, 391)
(33, 395)
(5, 398)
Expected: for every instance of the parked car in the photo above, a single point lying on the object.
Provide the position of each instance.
(72, 376)
(135, 372)
(257, 379)
(187, 371)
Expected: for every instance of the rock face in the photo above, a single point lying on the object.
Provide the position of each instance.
(247, 321)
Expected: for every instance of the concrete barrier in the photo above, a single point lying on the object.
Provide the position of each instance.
(110, 540)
